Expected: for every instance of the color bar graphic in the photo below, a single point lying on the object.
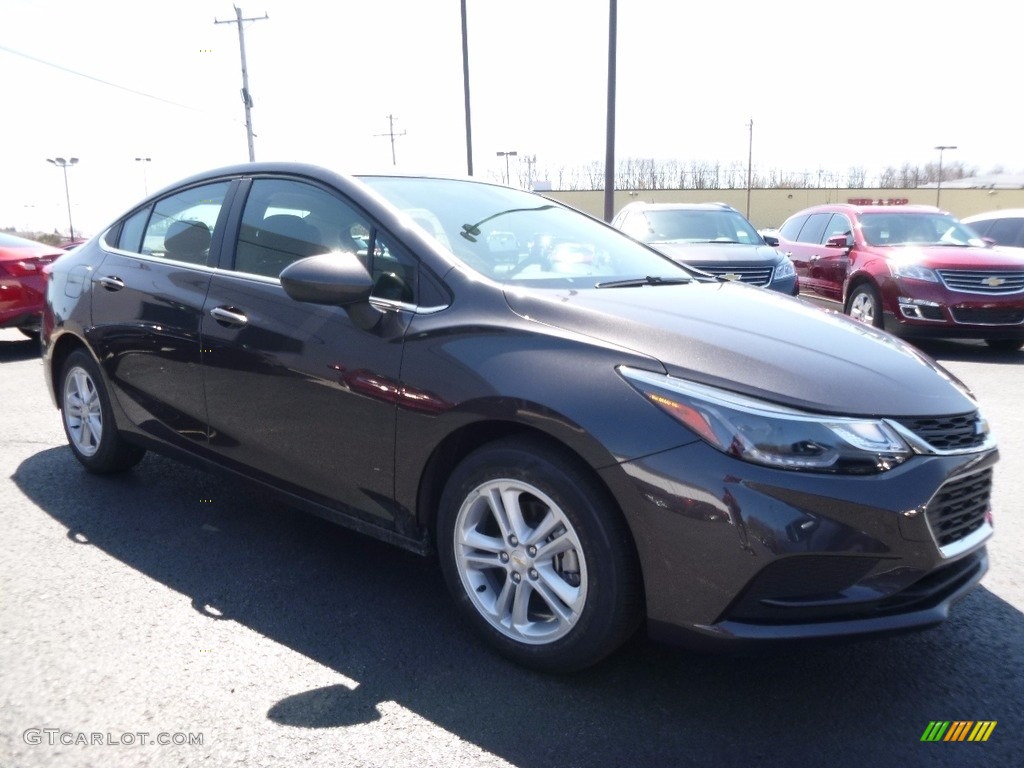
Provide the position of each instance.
(958, 730)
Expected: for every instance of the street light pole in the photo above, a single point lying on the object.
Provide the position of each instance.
(63, 165)
(145, 181)
(750, 161)
(938, 186)
(465, 88)
(507, 155)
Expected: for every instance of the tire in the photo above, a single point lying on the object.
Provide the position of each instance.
(1005, 345)
(30, 333)
(88, 420)
(539, 562)
(865, 305)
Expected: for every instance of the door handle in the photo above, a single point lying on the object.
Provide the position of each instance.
(229, 316)
(111, 283)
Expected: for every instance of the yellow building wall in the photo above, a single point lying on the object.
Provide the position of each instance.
(771, 207)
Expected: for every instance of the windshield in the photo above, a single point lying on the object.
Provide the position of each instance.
(519, 237)
(699, 226)
(896, 228)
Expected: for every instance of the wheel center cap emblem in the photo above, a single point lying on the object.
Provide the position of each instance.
(520, 559)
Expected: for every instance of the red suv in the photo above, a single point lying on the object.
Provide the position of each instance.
(22, 285)
(911, 269)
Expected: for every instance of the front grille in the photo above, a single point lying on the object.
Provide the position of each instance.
(752, 275)
(988, 316)
(959, 508)
(987, 281)
(949, 433)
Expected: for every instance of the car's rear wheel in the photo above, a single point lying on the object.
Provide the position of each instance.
(88, 420)
(540, 562)
(865, 305)
(1005, 345)
(32, 333)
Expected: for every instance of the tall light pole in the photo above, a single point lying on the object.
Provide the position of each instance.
(750, 162)
(63, 165)
(938, 187)
(465, 88)
(609, 139)
(145, 181)
(507, 155)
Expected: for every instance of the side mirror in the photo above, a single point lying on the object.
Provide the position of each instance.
(330, 278)
(839, 241)
(771, 240)
(335, 279)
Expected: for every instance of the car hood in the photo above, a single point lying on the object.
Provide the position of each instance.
(954, 257)
(757, 342)
(713, 254)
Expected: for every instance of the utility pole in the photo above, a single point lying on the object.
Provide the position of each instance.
(246, 96)
(391, 133)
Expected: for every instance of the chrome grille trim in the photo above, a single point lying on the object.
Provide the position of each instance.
(753, 275)
(980, 281)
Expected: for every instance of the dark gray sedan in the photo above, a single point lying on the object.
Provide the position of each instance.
(588, 438)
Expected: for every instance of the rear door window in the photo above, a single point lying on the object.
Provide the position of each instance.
(181, 227)
(814, 228)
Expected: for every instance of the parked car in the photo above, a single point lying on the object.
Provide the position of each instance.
(714, 238)
(22, 290)
(1004, 228)
(588, 438)
(914, 270)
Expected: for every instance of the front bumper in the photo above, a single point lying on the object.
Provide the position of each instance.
(928, 310)
(735, 555)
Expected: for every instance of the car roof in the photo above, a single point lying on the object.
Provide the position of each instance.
(1006, 213)
(859, 209)
(642, 206)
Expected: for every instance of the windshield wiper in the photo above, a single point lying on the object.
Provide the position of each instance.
(637, 282)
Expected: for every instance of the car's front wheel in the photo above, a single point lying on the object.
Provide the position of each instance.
(865, 305)
(88, 420)
(538, 559)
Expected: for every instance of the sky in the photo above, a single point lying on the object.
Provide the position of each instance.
(827, 85)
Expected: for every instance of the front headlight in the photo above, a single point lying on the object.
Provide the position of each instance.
(785, 269)
(765, 433)
(913, 271)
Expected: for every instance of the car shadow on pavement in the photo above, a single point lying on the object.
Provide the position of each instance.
(968, 351)
(19, 349)
(381, 617)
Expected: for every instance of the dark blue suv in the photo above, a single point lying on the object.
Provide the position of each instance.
(711, 237)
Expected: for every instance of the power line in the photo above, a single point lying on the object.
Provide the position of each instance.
(97, 79)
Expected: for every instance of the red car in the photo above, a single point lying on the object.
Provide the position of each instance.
(914, 270)
(22, 285)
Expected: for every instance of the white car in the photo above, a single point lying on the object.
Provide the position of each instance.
(1004, 228)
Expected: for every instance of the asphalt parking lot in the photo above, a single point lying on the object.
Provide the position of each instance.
(180, 606)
